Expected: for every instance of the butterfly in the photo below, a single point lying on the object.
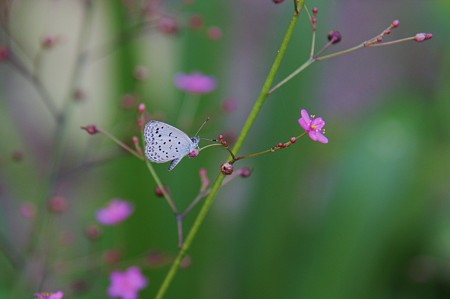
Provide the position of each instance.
(166, 143)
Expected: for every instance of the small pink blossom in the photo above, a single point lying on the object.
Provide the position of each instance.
(313, 126)
(126, 284)
(214, 33)
(28, 210)
(117, 211)
(57, 295)
(195, 83)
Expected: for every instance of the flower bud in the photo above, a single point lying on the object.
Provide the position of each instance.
(140, 73)
(57, 204)
(186, 262)
(195, 22)
(315, 10)
(214, 33)
(420, 37)
(395, 23)
(93, 232)
(334, 36)
(141, 108)
(112, 256)
(159, 192)
(277, 1)
(155, 258)
(227, 168)
(91, 129)
(194, 153)
(168, 25)
(48, 42)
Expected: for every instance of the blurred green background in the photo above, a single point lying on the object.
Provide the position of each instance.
(365, 216)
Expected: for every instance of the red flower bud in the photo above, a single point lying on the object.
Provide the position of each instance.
(334, 37)
(227, 168)
(91, 129)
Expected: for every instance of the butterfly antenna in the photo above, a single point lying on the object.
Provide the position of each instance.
(204, 123)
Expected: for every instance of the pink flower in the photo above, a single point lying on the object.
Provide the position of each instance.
(313, 126)
(116, 212)
(195, 83)
(126, 284)
(57, 295)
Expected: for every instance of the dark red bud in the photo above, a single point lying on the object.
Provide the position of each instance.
(91, 129)
(57, 204)
(159, 192)
(93, 232)
(334, 37)
(227, 168)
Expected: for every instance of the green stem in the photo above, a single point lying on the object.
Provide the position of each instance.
(292, 75)
(244, 132)
(161, 187)
(270, 150)
(120, 143)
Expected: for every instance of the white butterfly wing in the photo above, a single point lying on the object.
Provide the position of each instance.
(165, 143)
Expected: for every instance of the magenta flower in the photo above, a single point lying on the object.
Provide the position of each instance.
(313, 126)
(126, 284)
(57, 295)
(117, 211)
(195, 83)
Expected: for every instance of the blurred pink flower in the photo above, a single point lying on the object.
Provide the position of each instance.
(28, 210)
(195, 83)
(313, 126)
(57, 295)
(126, 284)
(117, 211)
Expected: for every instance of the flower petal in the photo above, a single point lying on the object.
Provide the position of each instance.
(304, 124)
(305, 115)
(321, 138)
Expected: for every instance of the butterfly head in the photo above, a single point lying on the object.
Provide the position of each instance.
(193, 150)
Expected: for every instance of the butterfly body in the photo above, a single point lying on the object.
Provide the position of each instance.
(166, 143)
